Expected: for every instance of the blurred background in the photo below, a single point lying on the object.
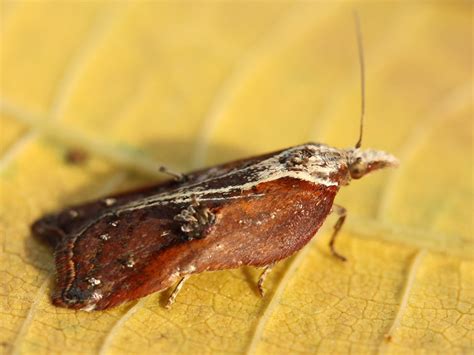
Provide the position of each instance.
(95, 95)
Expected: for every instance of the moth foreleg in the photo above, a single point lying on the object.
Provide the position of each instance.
(174, 294)
(262, 278)
(342, 212)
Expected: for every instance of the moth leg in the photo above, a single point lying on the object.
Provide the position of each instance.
(176, 176)
(179, 286)
(342, 212)
(262, 278)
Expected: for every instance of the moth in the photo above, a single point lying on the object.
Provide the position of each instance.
(254, 211)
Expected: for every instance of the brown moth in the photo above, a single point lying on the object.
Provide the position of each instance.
(255, 211)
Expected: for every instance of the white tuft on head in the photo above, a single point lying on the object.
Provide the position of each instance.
(362, 162)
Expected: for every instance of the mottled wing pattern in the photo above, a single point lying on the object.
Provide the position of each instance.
(53, 227)
(147, 252)
(106, 263)
(101, 256)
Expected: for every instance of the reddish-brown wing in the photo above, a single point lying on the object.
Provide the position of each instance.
(147, 252)
(263, 230)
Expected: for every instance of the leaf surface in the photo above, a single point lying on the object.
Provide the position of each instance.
(137, 85)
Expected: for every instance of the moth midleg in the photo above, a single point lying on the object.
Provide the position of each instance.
(342, 212)
(179, 286)
(262, 278)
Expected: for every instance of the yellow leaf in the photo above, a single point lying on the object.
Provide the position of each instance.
(187, 84)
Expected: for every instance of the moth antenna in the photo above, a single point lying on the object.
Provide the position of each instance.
(362, 77)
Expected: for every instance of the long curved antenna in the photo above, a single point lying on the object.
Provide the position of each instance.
(362, 77)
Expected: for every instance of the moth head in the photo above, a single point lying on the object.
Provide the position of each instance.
(361, 162)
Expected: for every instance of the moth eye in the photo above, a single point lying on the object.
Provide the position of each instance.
(358, 169)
